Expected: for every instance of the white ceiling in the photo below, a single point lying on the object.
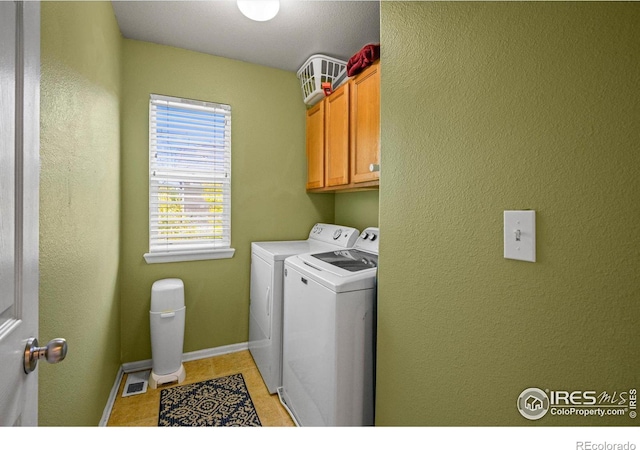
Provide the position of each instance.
(302, 28)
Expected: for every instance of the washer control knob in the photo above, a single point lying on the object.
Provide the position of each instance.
(372, 237)
(364, 235)
(337, 234)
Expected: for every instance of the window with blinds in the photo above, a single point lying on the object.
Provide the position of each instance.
(189, 180)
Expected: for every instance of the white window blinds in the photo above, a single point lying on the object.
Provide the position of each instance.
(189, 177)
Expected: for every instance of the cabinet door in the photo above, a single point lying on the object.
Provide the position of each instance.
(315, 146)
(337, 137)
(365, 124)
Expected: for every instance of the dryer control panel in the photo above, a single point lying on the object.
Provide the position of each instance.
(334, 234)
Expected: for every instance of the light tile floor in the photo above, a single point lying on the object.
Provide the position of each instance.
(142, 410)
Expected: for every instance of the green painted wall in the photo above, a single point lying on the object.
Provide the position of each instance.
(357, 209)
(495, 106)
(269, 201)
(79, 208)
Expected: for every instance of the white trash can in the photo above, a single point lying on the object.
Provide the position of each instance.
(167, 331)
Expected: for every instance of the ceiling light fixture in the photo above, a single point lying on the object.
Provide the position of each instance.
(259, 10)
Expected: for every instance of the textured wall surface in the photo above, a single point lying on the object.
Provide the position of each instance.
(495, 106)
(269, 201)
(79, 208)
(357, 209)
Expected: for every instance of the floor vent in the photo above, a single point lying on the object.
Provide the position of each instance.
(136, 383)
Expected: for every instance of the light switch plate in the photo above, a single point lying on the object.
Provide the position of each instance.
(520, 235)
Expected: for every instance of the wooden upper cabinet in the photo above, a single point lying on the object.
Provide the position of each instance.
(343, 136)
(315, 146)
(336, 116)
(365, 124)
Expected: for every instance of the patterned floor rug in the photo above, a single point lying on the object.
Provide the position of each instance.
(221, 402)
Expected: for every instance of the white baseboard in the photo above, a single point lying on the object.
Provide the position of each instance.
(112, 399)
(148, 363)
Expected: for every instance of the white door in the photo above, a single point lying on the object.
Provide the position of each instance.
(19, 178)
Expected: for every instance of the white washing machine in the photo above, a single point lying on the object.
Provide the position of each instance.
(329, 335)
(266, 295)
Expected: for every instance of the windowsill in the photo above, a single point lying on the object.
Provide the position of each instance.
(188, 255)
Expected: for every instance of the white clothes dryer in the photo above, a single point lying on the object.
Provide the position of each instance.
(266, 294)
(329, 335)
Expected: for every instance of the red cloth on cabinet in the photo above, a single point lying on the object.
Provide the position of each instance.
(363, 59)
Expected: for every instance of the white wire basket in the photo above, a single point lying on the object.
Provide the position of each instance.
(320, 69)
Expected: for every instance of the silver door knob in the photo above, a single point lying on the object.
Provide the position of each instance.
(54, 352)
